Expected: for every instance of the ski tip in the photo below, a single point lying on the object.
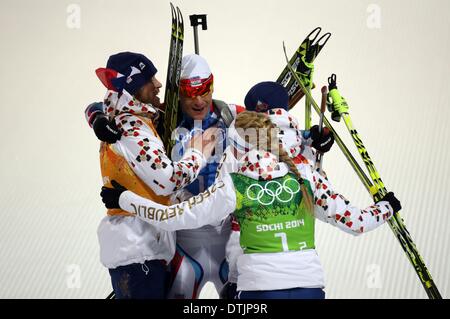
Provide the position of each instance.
(180, 18)
(324, 89)
(314, 32)
(174, 12)
(324, 39)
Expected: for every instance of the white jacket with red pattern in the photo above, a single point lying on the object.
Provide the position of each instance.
(126, 239)
(263, 271)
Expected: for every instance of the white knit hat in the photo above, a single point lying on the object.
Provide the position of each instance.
(194, 66)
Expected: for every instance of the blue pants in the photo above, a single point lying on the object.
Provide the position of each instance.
(294, 293)
(140, 281)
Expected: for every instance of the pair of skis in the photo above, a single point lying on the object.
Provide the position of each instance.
(374, 185)
(171, 95)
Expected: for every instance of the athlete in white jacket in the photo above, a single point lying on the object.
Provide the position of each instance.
(136, 253)
(272, 99)
(276, 210)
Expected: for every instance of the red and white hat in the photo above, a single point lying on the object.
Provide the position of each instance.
(196, 78)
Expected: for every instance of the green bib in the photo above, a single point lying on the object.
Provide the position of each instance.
(272, 215)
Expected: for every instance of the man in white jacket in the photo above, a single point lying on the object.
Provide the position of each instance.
(135, 252)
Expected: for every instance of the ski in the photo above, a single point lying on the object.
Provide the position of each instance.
(302, 61)
(397, 223)
(353, 163)
(171, 95)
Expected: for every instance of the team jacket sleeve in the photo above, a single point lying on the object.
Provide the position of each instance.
(145, 153)
(211, 206)
(334, 209)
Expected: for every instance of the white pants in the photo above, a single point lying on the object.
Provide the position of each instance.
(199, 258)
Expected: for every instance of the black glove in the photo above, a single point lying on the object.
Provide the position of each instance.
(393, 201)
(228, 291)
(110, 196)
(106, 130)
(321, 142)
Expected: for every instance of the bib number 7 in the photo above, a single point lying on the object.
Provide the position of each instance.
(284, 242)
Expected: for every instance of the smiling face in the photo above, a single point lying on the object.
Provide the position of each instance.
(148, 93)
(196, 107)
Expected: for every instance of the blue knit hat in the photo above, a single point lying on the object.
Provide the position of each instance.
(136, 68)
(265, 96)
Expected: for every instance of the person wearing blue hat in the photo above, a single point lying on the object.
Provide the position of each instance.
(268, 96)
(265, 96)
(272, 99)
(136, 69)
(135, 253)
(128, 72)
(199, 112)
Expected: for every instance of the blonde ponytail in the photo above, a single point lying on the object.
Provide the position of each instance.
(308, 200)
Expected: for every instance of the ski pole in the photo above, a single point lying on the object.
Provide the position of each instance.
(341, 106)
(196, 20)
(353, 163)
(372, 190)
(323, 106)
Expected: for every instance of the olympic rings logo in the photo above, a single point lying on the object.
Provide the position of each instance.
(280, 188)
